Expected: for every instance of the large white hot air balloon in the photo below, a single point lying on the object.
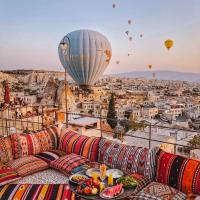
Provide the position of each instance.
(85, 54)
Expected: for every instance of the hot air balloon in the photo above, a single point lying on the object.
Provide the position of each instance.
(168, 44)
(141, 35)
(129, 21)
(117, 62)
(85, 54)
(127, 32)
(114, 5)
(130, 38)
(149, 66)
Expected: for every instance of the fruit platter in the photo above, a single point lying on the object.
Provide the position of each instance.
(95, 188)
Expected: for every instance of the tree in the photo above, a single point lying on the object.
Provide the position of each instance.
(111, 116)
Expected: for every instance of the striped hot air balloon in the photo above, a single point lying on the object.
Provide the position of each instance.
(85, 54)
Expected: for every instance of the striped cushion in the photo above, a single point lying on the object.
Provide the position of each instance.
(5, 150)
(36, 191)
(72, 142)
(28, 165)
(67, 163)
(178, 172)
(7, 175)
(24, 145)
(35, 143)
(129, 159)
(49, 156)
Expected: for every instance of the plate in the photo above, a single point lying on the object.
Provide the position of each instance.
(115, 172)
(77, 182)
(106, 197)
(91, 170)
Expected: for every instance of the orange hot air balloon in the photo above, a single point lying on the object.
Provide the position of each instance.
(129, 21)
(149, 66)
(168, 44)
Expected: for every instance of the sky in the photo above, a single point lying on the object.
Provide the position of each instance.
(30, 31)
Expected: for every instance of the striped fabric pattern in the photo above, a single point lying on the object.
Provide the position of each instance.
(7, 175)
(66, 164)
(72, 142)
(36, 192)
(49, 156)
(5, 150)
(28, 165)
(178, 172)
(129, 159)
(35, 143)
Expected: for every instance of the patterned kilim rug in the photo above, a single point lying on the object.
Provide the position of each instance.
(45, 185)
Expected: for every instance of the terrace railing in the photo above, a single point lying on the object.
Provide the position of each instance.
(32, 118)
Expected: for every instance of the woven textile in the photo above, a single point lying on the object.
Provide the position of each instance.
(67, 163)
(129, 159)
(24, 145)
(159, 191)
(28, 165)
(72, 142)
(34, 143)
(36, 191)
(178, 172)
(5, 150)
(7, 175)
(49, 156)
(48, 138)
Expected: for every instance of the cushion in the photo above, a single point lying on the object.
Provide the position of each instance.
(49, 156)
(48, 138)
(36, 191)
(72, 142)
(7, 176)
(178, 172)
(158, 191)
(24, 145)
(5, 150)
(35, 143)
(28, 165)
(129, 159)
(67, 163)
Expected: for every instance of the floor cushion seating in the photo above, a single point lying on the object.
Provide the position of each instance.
(7, 175)
(36, 191)
(35, 143)
(28, 165)
(179, 172)
(159, 191)
(5, 149)
(51, 155)
(72, 142)
(66, 164)
(129, 159)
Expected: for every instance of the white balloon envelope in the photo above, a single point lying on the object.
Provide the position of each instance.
(85, 54)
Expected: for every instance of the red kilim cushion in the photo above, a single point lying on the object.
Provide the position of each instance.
(72, 142)
(67, 163)
(5, 150)
(178, 172)
(28, 165)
